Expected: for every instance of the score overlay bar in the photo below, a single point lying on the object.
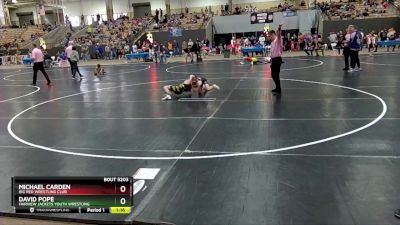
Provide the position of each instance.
(72, 194)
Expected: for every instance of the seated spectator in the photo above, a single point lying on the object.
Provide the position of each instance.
(319, 46)
(309, 47)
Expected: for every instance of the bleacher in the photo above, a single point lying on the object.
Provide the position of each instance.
(120, 32)
(397, 3)
(19, 37)
(350, 10)
(189, 21)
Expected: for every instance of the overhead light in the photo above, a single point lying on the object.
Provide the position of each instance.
(14, 1)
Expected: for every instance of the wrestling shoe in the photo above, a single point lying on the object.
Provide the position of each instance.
(276, 91)
(167, 97)
(351, 70)
(216, 87)
(242, 63)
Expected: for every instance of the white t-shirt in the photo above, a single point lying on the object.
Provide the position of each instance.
(333, 38)
(262, 40)
(126, 48)
(134, 48)
(246, 42)
(190, 44)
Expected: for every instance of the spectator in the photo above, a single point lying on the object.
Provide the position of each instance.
(98, 51)
(134, 48)
(82, 20)
(176, 48)
(85, 52)
(319, 46)
(309, 47)
(107, 51)
(126, 49)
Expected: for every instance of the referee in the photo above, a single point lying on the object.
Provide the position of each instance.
(276, 57)
(38, 58)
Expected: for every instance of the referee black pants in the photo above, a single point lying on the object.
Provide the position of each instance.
(38, 66)
(346, 54)
(354, 59)
(275, 71)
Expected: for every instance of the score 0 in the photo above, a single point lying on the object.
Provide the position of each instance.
(123, 189)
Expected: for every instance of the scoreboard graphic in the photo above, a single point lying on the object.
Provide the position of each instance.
(267, 17)
(72, 194)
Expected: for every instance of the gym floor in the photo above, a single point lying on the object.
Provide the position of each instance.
(325, 151)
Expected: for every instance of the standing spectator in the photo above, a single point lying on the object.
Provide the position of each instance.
(38, 58)
(114, 51)
(126, 49)
(391, 36)
(151, 52)
(156, 49)
(98, 18)
(185, 47)
(383, 35)
(302, 44)
(82, 20)
(170, 48)
(369, 42)
(107, 50)
(355, 46)
(85, 52)
(120, 51)
(261, 40)
(295, 41)
(98, 51)
(74, 63)
(190, 44)
(134, 48)
(374, 41)
(196, 49)
(70, 26)
(157, 16)
(190, 49)
(176, 48)
(162, 53)
(287, 42)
